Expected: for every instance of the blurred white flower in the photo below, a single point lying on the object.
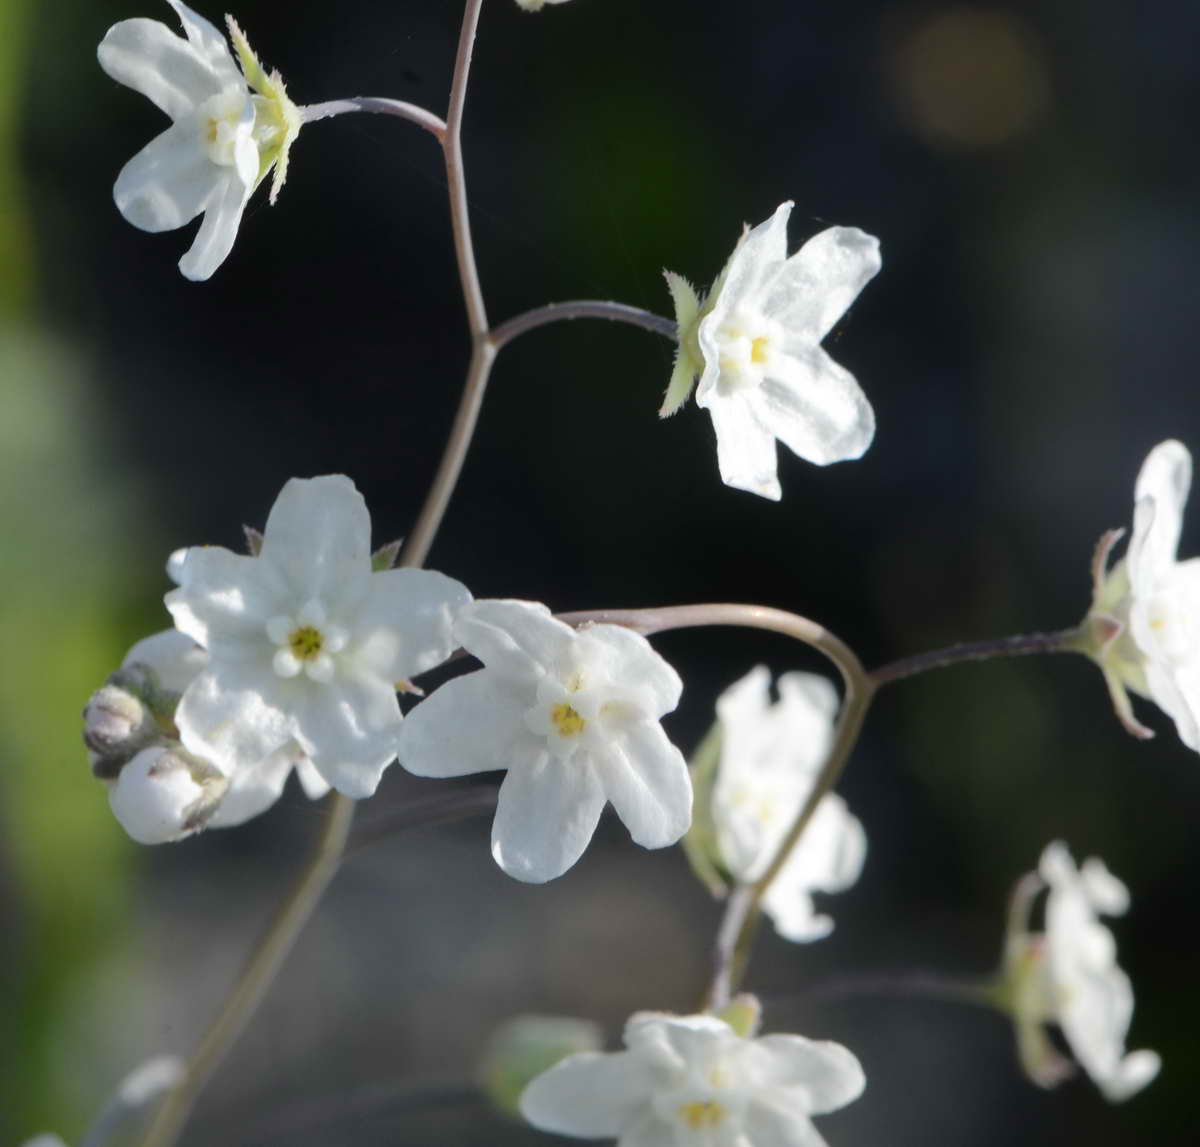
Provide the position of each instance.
(574, 718)
(537, 5)
(770, 758)
(222, 141)
(1145, 617)
(1068, 976)
(755, 342)
(692, 1080)
(305, 643)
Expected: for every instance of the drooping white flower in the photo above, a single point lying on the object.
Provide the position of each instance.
(1145, 617)
(770, 758)
(222, 141)
(306, 643)
(574, 718)
(174, 661)
(755, 343)
(1068, 976)
(685, 1080)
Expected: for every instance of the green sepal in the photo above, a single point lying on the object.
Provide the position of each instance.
(688, 361)
(385, 557)
(700, 842)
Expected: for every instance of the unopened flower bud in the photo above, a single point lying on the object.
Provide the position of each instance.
(116, 725)
(526, 1046)
(165, 793)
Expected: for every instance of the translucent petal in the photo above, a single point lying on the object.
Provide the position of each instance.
(817, 1076)
(545, 816)
(1160, 496)
(745, 445)
(818, 283)
(815, 407)
(771, 1121)
(173, 656)
(518, 638)
(235, 718)
(209, 42)
(647, 780)
(252, 791)
(469, 725)
(591, 1095)
(757, 258)
(169, 182)
(214, 240)
(169, 71)
(631, 662)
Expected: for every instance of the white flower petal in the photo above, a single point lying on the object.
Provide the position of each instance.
(226, 599)
(818, 283)
(147, 56)
(174, 658)
(209, 43)
(349, 729)
(545, 816)
(518, 638)
(169, 182)
(589, 1095)
(771, 1121)
(758, 257)
(815, 407)
(318, 536)
(231, 719)
(315, 786)
(631, 661)
(405, 623)
(820, 1075)
(647, 780)
(217, 233)
(254, 790)
(1160, 496)
(468, 725)
(745, 445)
(1135, 1071)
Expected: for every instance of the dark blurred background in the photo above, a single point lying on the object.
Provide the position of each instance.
(1032, 172)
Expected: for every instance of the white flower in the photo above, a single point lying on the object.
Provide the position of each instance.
(305, 642)
(770, 757)
(1069, 976)
(573, 717)
(692, 1080)
(755, 342)
(222, 141)
(1146, 612)
(176, 661)
(165, 794)
(537, 5)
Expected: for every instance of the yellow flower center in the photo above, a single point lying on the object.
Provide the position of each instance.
(702, 1114)
(758, 350)
(306, 642)
(567, 721)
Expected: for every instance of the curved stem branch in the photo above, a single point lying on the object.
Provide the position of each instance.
(898, 985)
(380, 106)
(257, 977)
(582, 309)
(1062, 641)
(446, 808)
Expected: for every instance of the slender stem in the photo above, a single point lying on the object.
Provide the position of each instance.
(736, 934)
(416, 546)
(1063, 641)
(446, 808)
(898, 985)
(411, 112)
(257, 977)
(464, 249)
(582, 309)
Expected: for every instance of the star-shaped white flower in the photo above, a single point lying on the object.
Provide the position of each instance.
(1068, 976)
(1146, 611)
(691, 1080)
(574, 718)
(222, 141)
(770, 757)
(306, 644)
(755, 343)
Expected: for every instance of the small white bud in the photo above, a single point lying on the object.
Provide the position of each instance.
(165, 794)
(116, 725)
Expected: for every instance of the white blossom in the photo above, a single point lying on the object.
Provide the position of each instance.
(770, 758)
(574, 718)
(222, 140)
(1146, 611)
(537, 5)
(305, 643)
(165, 794)
(691, 1080)
(1068, 975)
(755, 343)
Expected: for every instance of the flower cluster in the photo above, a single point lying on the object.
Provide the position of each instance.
(229, 128)
(694, 1080)
(755, 342)
(1068, 975)
(574, 718)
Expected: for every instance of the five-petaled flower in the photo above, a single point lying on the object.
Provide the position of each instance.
(1068, 975)
(1144, 625)
(223, 139)
(306, 645)
(693, 1080)
(573, 716)
(755, 343)
(769, 759)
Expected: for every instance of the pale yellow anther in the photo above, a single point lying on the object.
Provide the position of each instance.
(567, 721)
(306, 642)
(758, 350)
(702, 1114)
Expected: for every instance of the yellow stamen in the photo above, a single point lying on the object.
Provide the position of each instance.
(567, 721)
(306, 642)
(758, 350)
(702, 1114)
